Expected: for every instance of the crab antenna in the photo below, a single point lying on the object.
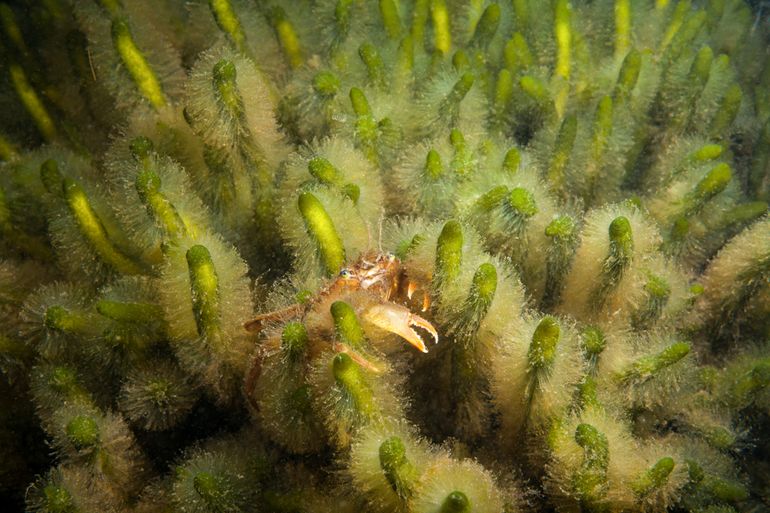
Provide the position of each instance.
(379, 226)
(368, 234)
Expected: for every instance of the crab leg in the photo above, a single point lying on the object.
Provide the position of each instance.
(356, 357)
(399, 320)
(259, 321)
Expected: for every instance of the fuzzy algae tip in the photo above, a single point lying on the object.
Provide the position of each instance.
(322, 228)
(399, 471)
(136, 64)
(545, 340)
(204, 289)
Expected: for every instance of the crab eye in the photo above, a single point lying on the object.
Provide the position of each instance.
(345, 273)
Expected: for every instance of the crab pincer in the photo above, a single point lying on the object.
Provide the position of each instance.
(399, 320)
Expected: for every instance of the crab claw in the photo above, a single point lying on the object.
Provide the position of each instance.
(399, 320)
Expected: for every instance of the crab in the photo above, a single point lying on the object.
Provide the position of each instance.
(383, 278)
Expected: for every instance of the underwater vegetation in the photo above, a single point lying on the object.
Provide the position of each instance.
(388, 256)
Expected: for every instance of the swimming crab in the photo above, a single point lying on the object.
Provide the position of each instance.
(383, 278)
